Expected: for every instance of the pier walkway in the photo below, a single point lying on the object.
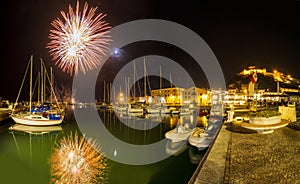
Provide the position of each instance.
(4, 114)
(241, 155)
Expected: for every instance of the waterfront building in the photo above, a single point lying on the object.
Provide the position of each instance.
(235, 98)
(196, 95)
(181, 96)
(269, 87)
(169, 96)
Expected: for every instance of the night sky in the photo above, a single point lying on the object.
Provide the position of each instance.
(250, 33)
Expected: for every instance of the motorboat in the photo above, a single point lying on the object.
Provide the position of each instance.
(176, 148)
(180, 133)
(199, 138)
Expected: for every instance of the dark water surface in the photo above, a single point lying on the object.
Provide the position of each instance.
(24, 156)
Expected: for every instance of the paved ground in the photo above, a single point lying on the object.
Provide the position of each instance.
(240, 155)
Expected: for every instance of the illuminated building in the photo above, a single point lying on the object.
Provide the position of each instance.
(196, 95)
(170, 96)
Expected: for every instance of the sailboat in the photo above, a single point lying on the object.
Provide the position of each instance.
(105, 104)
(41, 114)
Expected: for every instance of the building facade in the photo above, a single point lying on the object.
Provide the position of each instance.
(169, 96)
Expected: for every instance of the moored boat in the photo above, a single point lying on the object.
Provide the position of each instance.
(42, 114)
(40, 119)
(199, 138)
(181, 132)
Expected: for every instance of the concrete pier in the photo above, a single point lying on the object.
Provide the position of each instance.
(241, 155)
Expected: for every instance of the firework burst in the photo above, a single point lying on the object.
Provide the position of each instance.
(80, 40)
(77, 160)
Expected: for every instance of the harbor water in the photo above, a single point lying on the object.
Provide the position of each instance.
(25, 155)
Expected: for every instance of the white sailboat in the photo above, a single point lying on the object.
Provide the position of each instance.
(40, 114)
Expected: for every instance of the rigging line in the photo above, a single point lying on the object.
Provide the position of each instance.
(51, 87)
(138, 83)
(22, 84)
(149, 85)
(128, 87)
(147, 78)
(34, 86)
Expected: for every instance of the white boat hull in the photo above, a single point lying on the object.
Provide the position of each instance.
(176, 137)
(27, 120)
(199, 142)
(175, 148)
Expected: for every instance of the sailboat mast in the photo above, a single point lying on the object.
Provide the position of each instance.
(39, 88)
(114, 95)
(145, 80)
(110, 93)
(30, 87)
(51, 83)
(134, 73)
(171, 81)
(104, 91)
(120, 92)
(160, 81)
(42, 82)
(160, 78)
(107, 92)
(128, 89)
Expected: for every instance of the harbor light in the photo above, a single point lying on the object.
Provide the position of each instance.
(162, 100)
(149, 99)
(121, 97)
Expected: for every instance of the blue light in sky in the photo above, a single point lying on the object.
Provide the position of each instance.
(116, 52)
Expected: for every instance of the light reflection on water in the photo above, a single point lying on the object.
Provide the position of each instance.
(24, 156)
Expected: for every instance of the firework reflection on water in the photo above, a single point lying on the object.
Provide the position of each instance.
(78, 160)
